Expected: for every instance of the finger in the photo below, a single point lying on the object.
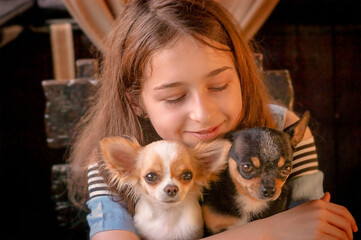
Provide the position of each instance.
(332, 237)
(344, 213)
(335, 233)
(339, 226)
(326, 197)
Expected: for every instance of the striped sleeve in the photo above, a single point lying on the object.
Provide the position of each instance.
(304, 159)
(96, 183)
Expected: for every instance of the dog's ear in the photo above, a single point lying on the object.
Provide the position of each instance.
(298, 129)
(212, 157)
(119, 155)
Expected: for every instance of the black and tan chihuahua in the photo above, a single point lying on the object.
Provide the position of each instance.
(252, 186)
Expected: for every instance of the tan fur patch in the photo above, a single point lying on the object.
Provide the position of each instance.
(243, 186)
(256, 162)
(152, 162)
(281, 162)
(119, 153)
(279, 183)
(180, 163)
(209, 159)
(217, 222)
(185, 162)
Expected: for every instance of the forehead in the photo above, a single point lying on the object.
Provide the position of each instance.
(185, 59)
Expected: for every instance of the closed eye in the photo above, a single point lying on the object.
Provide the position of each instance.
(174, 101)
(177, 100)
(219, 88)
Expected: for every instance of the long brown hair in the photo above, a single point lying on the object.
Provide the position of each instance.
(145, 27)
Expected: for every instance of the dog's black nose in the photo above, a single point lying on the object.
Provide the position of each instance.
(268, 192)
(171, 190)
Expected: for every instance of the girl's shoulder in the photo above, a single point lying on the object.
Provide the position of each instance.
(279, 114)
(284, 118)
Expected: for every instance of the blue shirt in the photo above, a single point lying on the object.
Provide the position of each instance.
(108, 215)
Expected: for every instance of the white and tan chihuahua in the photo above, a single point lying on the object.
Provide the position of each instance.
(165, 181)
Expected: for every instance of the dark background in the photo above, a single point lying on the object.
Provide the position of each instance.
(319, 42)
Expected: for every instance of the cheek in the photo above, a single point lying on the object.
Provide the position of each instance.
(185, 186)
(251, 185)
(167, 121)
(168, 126)
(235, 107)
(166, 118)
(231, 106)
(235, 114)
(149, 189)
(243, 186)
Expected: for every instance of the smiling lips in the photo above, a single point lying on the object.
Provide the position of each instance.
(208, 134)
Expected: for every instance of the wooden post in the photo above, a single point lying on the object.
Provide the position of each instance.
(63, 51)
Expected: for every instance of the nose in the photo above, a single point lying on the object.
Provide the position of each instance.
(202, 108)
(268, 191)
(171, 190)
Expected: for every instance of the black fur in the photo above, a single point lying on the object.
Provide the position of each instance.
(268, 146)
(220, 197)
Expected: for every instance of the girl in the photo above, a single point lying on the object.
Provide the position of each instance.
(180, 70)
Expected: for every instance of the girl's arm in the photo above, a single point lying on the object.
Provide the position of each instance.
(116, 235)
(306, 180)
(107, 219)
(317, 219)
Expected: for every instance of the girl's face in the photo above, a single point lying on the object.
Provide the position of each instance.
(192, 92)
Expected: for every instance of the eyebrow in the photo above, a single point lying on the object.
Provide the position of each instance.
(169, 85)
(217, 71)
(177, 84)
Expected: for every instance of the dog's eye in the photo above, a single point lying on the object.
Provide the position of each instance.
(151, 177)
(247, 168)
(286, 170)
(187, 175)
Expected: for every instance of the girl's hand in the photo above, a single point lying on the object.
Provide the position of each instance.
(317, 219)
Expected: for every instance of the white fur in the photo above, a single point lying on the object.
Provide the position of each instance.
(157, 214)
(248, 206)
(155, 219)
(168, 152)
(182, 220)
